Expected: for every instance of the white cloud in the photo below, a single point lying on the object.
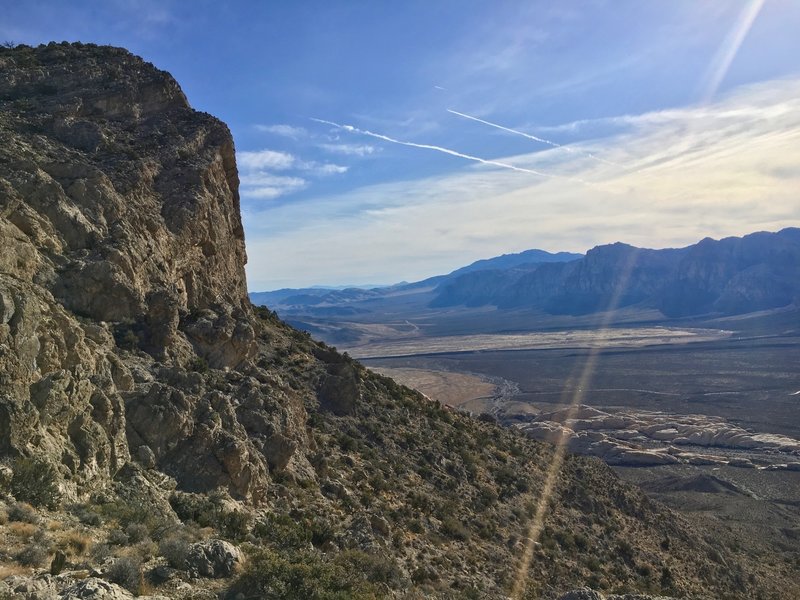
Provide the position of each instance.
(289, 131)
(266, 186)
(265, 159)
(727, 168)
(329, 169)
(350, 149)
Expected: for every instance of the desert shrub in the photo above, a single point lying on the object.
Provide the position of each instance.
(34, 554)
(453, 528)
(22, 512)
(376, 568)
(126, 572)
(125, 514)
(175, 549)
(136, 532)
(146, 550)
(283, 531)
(198, 364)
(35, 481)
(86, 515)
(117, 537)
(667, 581)
(101, 552)
(232, 524)
(207, 511)
(302, 576)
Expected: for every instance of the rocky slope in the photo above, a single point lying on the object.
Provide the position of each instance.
(146, 409)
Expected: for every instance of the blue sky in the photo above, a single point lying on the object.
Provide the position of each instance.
(667, 121)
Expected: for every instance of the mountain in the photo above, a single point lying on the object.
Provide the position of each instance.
(159, 433)
(507, 261)
(316, 296)
(730, 276)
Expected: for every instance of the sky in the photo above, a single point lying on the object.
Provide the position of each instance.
(380, 142)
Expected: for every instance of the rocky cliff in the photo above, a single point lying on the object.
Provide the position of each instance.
(146, 406)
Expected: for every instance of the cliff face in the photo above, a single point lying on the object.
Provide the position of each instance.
(133, 367)
(120, 227)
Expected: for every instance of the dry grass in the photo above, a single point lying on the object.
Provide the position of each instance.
(3, 517)
(22, 530)
(9, 570)
(77, 542)
(54, 525)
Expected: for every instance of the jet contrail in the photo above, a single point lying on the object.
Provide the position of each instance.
(534, 138)
(484, 161)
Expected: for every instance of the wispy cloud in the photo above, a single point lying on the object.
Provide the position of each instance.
(259, 181)
(289, 131)
(350, 149)
(264, 186)
(265, 159)
(330, 169)
(726, 168)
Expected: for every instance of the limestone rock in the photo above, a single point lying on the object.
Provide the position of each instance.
(93, 588)
(213, 558)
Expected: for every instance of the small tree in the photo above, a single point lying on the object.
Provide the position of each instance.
(35, 481)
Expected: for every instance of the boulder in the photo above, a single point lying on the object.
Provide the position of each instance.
(213, 558)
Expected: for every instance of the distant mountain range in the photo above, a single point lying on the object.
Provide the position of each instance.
(321, 295)
(729, 276)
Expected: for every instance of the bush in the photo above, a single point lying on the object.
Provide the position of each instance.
(452, 528)
(303, 576)
(136, 532)
(86, 515)
(35, 481)
(175, 550)
(126, 572)
(33, 555)
(24, 513)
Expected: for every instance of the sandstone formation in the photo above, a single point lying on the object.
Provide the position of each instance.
(647, 438)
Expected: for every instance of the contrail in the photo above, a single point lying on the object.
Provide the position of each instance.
(534, 138)
(445, 151)
(730, 47)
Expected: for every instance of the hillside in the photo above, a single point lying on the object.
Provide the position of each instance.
(159, 433)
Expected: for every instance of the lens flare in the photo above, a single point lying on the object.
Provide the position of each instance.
(585, 374)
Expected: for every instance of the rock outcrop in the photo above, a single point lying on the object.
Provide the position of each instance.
(119, 213)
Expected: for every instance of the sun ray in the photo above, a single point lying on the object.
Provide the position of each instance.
(577, 395)
(730, 47)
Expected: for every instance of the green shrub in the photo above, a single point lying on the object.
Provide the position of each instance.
(35, 481)
(304, 576)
